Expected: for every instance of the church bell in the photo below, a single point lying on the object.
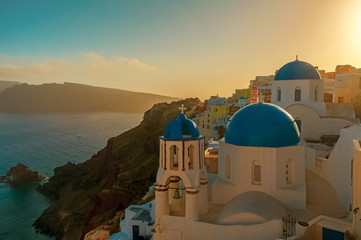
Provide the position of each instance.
(176, 194)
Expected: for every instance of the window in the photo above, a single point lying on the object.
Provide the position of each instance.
(227, 169)
(316, 90)
(278, 94)
(297, 94)
(161, 156)
(340, 99)
(290, 170)
(256, 172)
(173, 151)
(208, 126)
(190, 157)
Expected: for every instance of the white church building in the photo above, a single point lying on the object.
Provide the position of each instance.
(261, 152)
(262, 181)
(270, 184)
(299, 89)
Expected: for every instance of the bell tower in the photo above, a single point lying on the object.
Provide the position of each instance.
(181, 185)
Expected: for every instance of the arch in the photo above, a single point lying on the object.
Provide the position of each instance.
(279, 92)
(190, 155)
(174, 157)
(164, 179)
(309, 120)
(256, 172)
(176, 196)
(316, 93)
(290, 171)
(297, 94)
(201, 154)
(227, 168)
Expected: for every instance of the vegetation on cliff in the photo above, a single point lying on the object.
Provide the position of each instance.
(72, 97)
(94, 193)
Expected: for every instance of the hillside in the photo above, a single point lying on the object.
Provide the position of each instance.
(71, 97)
(93, 193)
(6, 84)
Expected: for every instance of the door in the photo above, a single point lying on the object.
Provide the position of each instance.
(135, 232)
(329, 234)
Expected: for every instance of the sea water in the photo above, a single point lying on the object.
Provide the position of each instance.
(43, 142)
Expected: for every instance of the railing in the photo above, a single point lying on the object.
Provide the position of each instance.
(289, 226)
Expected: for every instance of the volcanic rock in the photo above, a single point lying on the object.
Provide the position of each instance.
(20, 175)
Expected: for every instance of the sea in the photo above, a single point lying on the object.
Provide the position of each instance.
(43, 142)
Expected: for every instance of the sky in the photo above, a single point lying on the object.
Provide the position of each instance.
(180, 48)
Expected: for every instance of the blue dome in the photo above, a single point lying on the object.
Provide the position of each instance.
(181, 128)
(297, 70)
(262, 125)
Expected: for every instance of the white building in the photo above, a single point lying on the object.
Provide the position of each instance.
(347, 86)
(265, 172)
(261, 155)
(241, 102)
(138, 221)
(299, 89)
(263, 175)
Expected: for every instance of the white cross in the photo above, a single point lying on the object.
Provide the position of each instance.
(182, 108)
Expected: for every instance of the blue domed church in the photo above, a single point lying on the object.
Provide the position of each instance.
(297, 82)
(261, 174)
(261, 152)
(299, 89)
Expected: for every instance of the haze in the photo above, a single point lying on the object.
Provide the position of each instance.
(175, 48)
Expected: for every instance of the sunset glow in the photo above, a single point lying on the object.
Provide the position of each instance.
(177, 48)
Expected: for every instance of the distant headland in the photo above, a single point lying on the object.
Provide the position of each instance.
(73, 97)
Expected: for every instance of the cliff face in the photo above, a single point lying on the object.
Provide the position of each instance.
(90, 194)
(72, 97)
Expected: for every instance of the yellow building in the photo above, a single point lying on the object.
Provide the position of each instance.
(205, 124)
(207, 118)
(217, 111)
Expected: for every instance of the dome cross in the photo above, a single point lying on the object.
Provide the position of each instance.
(182, 108)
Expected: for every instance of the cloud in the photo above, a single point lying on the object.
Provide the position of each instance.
(100, 63)
(91, 66)
(134, 63)
(24, 70)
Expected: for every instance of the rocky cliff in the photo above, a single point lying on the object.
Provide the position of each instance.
(94, 193)
(72, 97)
(20, 175)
